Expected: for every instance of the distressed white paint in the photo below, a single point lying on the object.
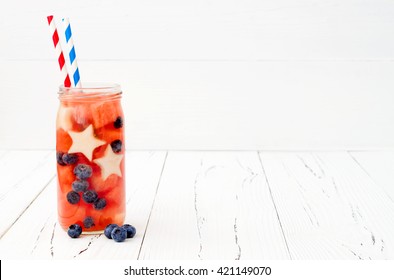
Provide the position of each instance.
(213, 205)
(379, 166)
(216, 205)
(329, 207)
(24, 174)
(36, 233)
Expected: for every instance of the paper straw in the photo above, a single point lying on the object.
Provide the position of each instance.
(59, 52)
(74, 72)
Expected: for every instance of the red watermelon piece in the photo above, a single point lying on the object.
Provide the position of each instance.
(105, 113)
(63, 141)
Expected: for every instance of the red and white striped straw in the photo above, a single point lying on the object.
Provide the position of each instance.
(59, 52)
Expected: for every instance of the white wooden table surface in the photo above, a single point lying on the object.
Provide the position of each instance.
(214, 205)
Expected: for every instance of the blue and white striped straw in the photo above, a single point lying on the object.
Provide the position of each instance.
(74, 71)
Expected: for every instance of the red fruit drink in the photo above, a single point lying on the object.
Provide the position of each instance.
(90, 152)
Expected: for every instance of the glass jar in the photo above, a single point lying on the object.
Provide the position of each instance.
(90, 153)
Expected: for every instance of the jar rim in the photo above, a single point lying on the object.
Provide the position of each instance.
(89, 90)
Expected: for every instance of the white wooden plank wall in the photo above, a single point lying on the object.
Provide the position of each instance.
(233, 75)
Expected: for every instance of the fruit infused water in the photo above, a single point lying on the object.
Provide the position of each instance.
(90, 152)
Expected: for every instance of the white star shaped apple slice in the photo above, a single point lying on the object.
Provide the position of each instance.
(109, 163)
(84, 142)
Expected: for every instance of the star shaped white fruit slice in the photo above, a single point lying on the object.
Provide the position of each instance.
(84, 142)
(109, 163)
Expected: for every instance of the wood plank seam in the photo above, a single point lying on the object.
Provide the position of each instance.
(153, 203)
(369, 175)
(198, 224)
(27, 207)
(273, 201)
(15, 185)
(39, 236)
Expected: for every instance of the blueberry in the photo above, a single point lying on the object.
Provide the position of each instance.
(74, 231)
(108, 230)
(59, 158)
(69, 159)
(131, 231)
(73, 197)
(80, 185)
(118, 122)
(100, 204)
(119, 234)
(83, 171)
(88, 222)
(116, 146)
(90, 196)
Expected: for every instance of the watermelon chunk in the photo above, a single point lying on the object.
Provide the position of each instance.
(63, 141)
(104, 113)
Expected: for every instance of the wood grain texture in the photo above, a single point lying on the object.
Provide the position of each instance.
(379, 166)
(213, 206)
(329, 207)
(37, 234)
(24, 175)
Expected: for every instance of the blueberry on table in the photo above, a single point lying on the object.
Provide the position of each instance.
(109, 229)
(90, 196)
(88, 222)
(83, 171)
(116, 146)
(59, 158)
(130, 230)
(118, 234)
(74, 231)
(80, 185)
(70, 159)
(100, 203)
(73, 197)
(118, 123)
